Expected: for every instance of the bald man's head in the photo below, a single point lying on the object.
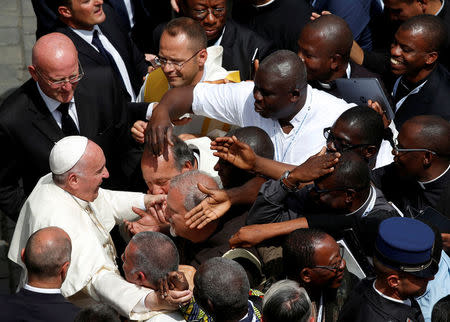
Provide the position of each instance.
(432, 132)
(324, 45)
(284, 64)
(46, 251)
(55, 66)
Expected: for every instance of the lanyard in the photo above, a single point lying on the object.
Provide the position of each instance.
(279, 144)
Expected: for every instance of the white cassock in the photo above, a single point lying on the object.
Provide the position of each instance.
(93, 272)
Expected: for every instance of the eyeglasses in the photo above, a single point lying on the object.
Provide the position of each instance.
(203, 13)
(397, 150)
(337, 266)
(58, 82)
(338, 143)
(159, 61)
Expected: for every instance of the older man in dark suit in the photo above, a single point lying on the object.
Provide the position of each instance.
(47, 258)
(56, 102)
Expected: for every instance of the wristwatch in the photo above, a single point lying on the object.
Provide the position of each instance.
(288, 186)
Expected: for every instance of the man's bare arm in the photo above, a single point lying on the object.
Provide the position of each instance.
(174, 103)
(252, 235)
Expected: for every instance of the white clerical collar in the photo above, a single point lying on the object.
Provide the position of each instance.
(406, 302)
(81, 202)
(348, 71)
(367, 206)
(42, 290)
(51, 103)
(423, 183)
(440, 9)
(264, 4)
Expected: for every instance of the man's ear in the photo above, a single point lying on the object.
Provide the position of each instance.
(33, 73)
(431, 58)
(22, 253)
(336, 61)
(393, 281)
(72, 180)
(188, 166)
(202, 56)
(140, 278)
(349, 195)
(370, 151)
(427, 159)
(65, 12)
(305, 275)
(295, 95)
(64, 270)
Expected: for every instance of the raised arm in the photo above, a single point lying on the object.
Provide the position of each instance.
(174, 103)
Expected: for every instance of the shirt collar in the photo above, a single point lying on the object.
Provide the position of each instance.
(348, 71)
(424, 183)
(51, 103)
(361, 210)
(83, 203)
(87, 34)
(406, 302)
(42, 290)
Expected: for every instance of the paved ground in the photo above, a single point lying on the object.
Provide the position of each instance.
(17, 28)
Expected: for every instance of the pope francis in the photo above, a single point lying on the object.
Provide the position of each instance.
(70, 197)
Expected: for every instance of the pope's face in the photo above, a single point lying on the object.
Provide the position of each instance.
(92, 173)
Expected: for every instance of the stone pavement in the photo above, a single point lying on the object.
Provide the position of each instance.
(17, 37)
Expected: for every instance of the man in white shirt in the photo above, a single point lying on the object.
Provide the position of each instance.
(291, 112)
(71, 198)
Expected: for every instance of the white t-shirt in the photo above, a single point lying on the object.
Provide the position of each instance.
(234, 104)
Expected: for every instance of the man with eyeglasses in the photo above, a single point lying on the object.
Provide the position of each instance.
(315, 260)
(58, 101)
(420, 176)
(335, 202)
(240, 44)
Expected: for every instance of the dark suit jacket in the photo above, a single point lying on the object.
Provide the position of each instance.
(281, 21)
(433, 98)
(28, 132)
(133, 58)
(239, 44)
(35, 307)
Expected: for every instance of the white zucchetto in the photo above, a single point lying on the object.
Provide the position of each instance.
(66, 153)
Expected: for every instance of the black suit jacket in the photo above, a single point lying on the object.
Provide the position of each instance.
(133, 58)
(432, 99)
(28, 132)
(239, 44)
(32, 306)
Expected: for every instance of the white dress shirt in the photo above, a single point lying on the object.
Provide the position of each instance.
(53, 104)
(87, 35)
(234, 104)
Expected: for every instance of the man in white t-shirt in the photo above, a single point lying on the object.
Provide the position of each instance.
(279, 101)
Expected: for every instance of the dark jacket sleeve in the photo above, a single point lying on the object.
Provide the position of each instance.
(275, 204)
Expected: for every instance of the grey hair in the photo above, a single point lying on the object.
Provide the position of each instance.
(155, 256)
(186, 183)
(224, 283)
(286, 301)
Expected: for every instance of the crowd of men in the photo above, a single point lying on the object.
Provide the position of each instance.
(198, 160)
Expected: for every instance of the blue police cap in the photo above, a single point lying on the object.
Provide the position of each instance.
(406, 244)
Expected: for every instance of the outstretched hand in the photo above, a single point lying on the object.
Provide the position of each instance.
(315, 167)
(214, 206)
(235, 152)
(149, 221)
